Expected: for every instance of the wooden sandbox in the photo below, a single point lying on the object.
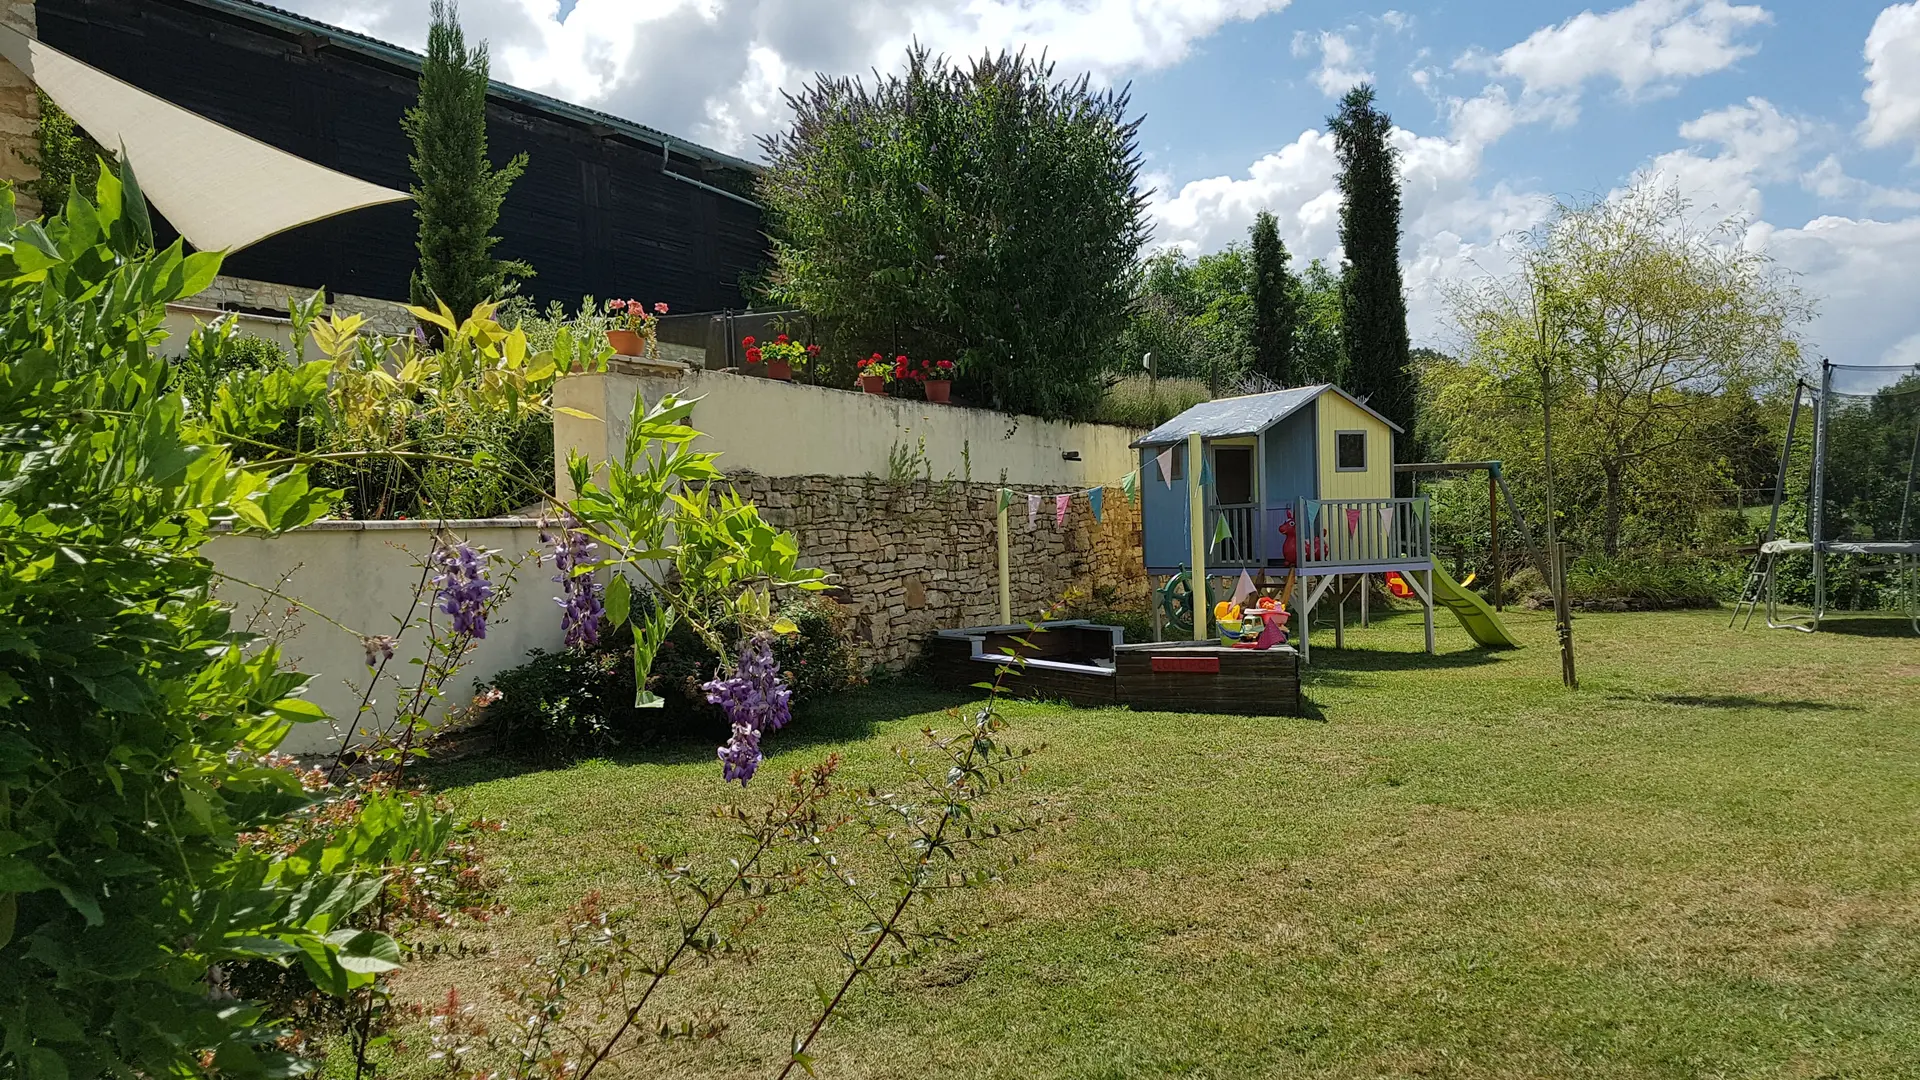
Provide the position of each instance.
(1088, 664)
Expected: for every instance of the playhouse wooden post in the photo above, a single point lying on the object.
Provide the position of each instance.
(1197, 515)
(1006, 582)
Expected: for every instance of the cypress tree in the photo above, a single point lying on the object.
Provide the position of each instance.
(457, 192)
(1274, 299)
(1374, 306)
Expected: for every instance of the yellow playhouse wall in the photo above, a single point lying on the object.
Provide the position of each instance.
(1336, 413)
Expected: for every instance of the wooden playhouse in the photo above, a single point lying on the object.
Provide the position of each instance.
(1313, 461)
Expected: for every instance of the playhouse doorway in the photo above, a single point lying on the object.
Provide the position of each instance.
(1234, 498)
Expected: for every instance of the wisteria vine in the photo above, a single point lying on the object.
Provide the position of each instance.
(580, 605)
(756, 701)
(461, 587)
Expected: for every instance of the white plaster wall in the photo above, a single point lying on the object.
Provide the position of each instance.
(361, 575)
(183, 320)
(784, 429)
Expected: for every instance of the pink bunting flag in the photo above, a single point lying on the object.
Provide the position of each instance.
(1060, 509)
(1244, 591)
(1353, 520)
(1165, 458)
(1033, 509)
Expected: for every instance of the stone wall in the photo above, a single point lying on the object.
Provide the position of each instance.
(19, 112)
(383, 316)
(911, 558)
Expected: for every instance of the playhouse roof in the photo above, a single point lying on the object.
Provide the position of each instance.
(1249, 414)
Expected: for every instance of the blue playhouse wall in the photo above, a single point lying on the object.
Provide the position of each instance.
(1163, 513)
(1289, 467)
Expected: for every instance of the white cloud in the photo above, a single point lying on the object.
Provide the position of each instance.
(1893, 77)
(1342, 65)
(713, 70)
(1829, 181)
(1645, 47)
(1862, 271)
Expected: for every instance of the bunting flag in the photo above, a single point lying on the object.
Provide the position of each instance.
(1244, 591)
(1386, 520)
(1353, 520)
(1131, 485)
(1206, 472)
(1221, 531)
(1060, 510)
(1006, 500)
(1165, 458)
(1095, 498)
(1033, 509)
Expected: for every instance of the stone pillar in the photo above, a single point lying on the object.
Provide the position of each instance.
(19, 112)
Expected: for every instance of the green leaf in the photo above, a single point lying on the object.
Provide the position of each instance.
(133, 203)
(299, 710)
(785, 626)
(366, 952)
(198, 272)
(618, 600)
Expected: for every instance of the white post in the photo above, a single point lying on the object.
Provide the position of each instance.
(1428, 606)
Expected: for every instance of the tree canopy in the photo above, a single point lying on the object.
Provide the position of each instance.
(1652, 336)
(1374, 316)
(1274, 296)
(983, 212)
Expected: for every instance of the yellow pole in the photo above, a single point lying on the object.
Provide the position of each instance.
(1197, 514)
(1006, 583)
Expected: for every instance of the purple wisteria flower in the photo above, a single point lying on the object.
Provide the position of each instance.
(756, 701)
(461, 587)
(579, 597)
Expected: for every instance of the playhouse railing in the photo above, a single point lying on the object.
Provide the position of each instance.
(1242, 546)
(1350, 535)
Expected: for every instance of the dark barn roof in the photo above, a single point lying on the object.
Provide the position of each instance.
(606, 207)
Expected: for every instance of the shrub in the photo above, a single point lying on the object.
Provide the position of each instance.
(581, 700)
(1635, 582)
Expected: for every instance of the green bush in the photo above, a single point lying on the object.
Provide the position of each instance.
(136, 720)
(1685, 583)
(581, 700)
(1138, 402)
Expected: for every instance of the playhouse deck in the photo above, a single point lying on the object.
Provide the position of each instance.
(1088, 664)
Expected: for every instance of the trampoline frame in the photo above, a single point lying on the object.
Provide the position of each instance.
(1760, 590)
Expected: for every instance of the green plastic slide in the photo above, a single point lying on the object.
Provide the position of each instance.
(1475, 614)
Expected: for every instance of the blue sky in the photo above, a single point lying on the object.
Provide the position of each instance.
(1802, 117)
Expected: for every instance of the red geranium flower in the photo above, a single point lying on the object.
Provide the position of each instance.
(616, 305)
(659, 309)
(781, 338)
(747, 341)
(813, 350)
(753, 356)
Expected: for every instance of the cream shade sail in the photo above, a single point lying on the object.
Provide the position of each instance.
(221, 189)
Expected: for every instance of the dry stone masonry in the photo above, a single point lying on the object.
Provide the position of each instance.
(911, 558)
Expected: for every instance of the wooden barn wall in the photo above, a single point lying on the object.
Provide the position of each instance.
(592, 214)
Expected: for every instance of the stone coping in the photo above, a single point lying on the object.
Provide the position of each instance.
(455, 524)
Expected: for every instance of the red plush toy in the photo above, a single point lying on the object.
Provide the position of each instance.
(1290, 549)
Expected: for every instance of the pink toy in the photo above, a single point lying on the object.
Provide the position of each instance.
(1273, 631)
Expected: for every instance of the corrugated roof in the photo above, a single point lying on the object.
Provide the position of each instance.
(1249, 414)
(287, 20)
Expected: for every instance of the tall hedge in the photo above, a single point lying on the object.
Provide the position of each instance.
(983, 212)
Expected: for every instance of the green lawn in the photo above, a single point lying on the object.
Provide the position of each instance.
(1705, 863)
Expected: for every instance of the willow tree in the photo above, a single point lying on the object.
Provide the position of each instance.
(1645, 331)
(983, 211)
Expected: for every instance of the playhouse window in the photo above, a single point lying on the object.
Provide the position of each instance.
(1350, 451)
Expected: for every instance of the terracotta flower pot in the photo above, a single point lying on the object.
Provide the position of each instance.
(874, 384)
(627, 342)
(780, 369)
(938, 390)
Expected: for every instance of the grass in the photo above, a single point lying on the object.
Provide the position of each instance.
(1137, 401)
(1705, 863)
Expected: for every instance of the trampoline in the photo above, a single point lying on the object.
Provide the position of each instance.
(1859, 503)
